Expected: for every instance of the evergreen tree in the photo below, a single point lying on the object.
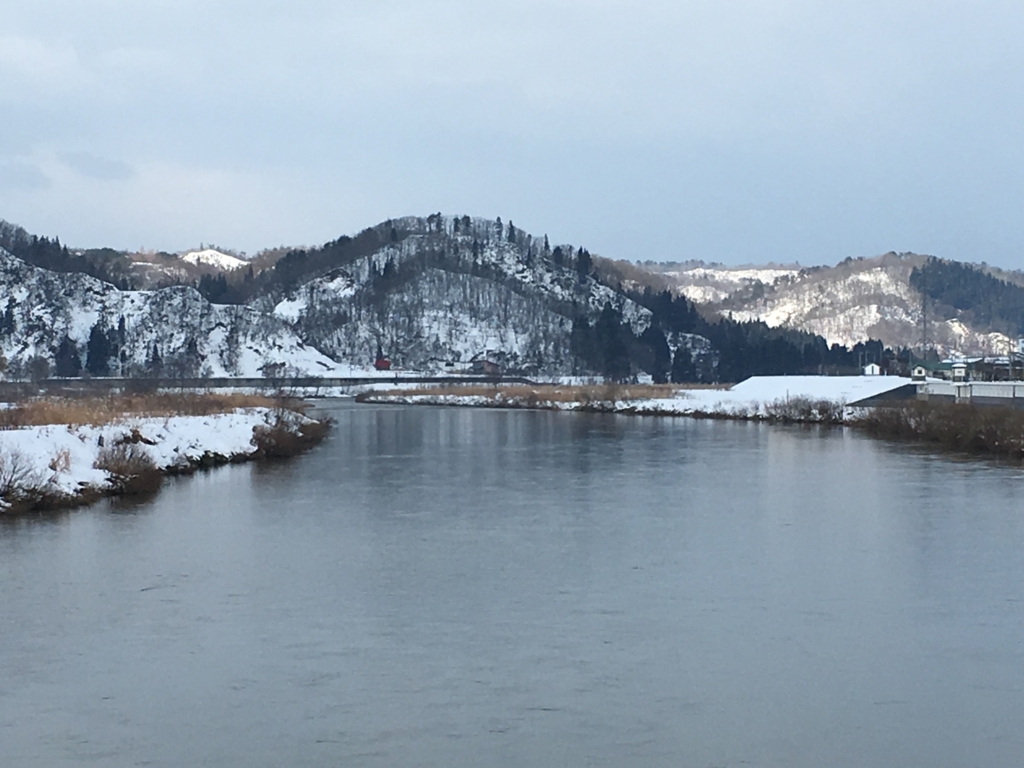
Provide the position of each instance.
(38, 368)
(68, 363)
(8, 325)
(610, 333)
(98, 350)
(584, 264)
(683, 367)
(581, 345)
(155, 364)
(215, 287)
(661, 356)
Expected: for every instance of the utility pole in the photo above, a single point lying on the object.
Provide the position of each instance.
(1009, 358)
(924, 323)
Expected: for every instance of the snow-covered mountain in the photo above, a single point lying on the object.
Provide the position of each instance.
(428, 293)
(444, 290)
(173, 329)
(856, 300)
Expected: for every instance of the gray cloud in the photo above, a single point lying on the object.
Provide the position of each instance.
(18, 176)
(648, 129)
(94, 167)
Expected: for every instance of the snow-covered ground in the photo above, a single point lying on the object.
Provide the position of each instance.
(757, 397)
(60, 459)
(212, 258)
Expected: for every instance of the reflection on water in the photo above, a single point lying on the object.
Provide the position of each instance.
(453, 587)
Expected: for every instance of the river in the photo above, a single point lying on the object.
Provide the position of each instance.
(446, 587)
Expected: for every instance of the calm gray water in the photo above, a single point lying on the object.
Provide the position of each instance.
(440, 587)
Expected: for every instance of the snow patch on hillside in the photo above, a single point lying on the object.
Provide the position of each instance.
(844, 311)
(707, 285)
(211, 258)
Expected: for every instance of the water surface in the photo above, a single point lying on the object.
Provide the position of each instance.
(444, 587)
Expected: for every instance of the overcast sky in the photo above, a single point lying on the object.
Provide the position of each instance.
(725, 131)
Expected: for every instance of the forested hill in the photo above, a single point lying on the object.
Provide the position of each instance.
(494, 280)
(973, 294)
(105, 264)
(433, 292)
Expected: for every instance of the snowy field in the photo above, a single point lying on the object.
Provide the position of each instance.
(60, 459)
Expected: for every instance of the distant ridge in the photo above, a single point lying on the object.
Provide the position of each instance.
(867, 298)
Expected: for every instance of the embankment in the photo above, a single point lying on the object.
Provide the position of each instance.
(642, 400)
(57, 453)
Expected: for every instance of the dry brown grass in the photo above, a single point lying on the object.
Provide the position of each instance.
(534, 395)
(113, 408)
(131, 468)
(954, 426)
(283, 439)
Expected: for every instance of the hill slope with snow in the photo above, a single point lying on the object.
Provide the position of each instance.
(428, 293)
(446, 290)
(856, 300)
(175, 327)
(211, 258)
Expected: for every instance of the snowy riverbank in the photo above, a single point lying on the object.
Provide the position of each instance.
(58, 465)
(812, 399)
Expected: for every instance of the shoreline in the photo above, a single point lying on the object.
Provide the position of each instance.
(986, 431)
(53, 467)
(650, 400)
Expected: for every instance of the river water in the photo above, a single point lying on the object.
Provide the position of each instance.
(444, 587)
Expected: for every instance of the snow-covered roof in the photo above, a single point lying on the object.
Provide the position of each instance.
(847, 389)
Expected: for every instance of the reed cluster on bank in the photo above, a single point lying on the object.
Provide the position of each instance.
(539, 395)
(993, 430)
(115, 407)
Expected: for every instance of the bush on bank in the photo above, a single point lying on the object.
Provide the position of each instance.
(957, 427)
(287, 436)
